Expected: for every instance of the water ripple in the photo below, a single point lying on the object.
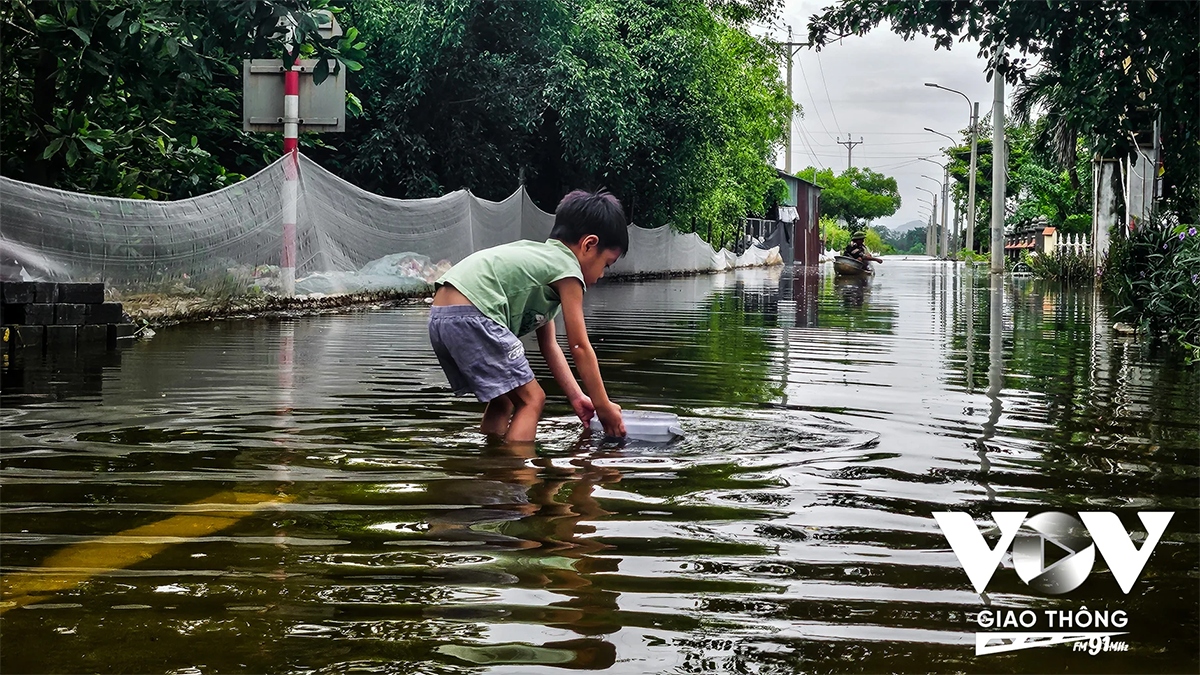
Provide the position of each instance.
(791, 530)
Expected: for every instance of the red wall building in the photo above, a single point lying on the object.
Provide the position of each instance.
(804, 197)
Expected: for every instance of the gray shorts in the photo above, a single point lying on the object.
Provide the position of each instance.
(478, 355)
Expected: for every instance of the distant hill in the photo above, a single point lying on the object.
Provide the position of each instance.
(912, 224)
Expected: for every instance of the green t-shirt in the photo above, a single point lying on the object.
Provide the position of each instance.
(510, 283)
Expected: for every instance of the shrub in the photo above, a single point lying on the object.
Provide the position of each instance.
(1155, 275)
(836, 237)
(1064, 266)
(877, 245)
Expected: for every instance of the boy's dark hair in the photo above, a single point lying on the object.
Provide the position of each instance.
(581, 213)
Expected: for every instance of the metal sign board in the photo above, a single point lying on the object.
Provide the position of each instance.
(329, 27)
(322, 107)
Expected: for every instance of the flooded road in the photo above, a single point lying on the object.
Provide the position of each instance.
(306, 497)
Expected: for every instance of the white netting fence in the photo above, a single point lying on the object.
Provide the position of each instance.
(346, 239)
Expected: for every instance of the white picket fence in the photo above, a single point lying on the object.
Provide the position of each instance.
(1078, 244)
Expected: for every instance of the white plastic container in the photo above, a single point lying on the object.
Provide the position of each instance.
(646, 425)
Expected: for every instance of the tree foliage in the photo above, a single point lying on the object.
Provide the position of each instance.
(907, 241)
(1037, 184)
(857, 196)
(672, 107)
(452, 96)
(139, 98)
(833, 234)
(1107, 66)
(670, 104)
(837, 237)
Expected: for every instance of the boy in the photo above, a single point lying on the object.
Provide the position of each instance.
(484, 303)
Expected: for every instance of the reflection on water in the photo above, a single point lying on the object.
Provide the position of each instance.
(305, 496)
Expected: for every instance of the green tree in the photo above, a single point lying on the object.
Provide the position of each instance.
(857, 196)
(1112, 65)
(1036, 186)
(833, 234)
(673, 106)
(1049, 194)
(903, 242)
(457, 101)
(876, 244)
(959, 166)
(1057, 133)
(139, 98)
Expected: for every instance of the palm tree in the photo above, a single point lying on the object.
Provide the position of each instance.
(1057, 137)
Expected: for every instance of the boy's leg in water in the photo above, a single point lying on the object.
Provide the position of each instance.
(528, 400)
(496, 416)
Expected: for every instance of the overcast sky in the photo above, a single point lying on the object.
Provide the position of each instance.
(873, 87)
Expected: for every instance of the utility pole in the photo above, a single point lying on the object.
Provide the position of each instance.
(931, 246)
(291, 162)
(999, 164)
(957, 223)
(850, 143)
(945, 242)
(791, 48)
(935, 227)
(787, 156)
(971, 180)
(930, 249)
(973, 110)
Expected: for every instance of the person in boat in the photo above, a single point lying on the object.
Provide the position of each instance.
(858, 249)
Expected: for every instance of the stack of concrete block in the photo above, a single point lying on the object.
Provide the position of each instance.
(60, 317)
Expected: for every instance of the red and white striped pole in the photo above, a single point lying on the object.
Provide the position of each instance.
(291, 169)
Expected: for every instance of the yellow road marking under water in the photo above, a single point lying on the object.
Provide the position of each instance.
(75, 564)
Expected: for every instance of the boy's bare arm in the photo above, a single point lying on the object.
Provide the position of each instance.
(557, 361)
(570, 293)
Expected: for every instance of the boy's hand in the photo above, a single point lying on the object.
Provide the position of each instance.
(610, 417)
(583, 408)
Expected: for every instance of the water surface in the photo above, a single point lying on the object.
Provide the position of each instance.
(306, 497)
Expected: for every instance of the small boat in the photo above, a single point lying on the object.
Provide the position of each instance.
(852, 288)
(846, 267)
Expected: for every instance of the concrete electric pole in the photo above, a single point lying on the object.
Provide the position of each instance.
(932, 248)
(999, 165)
(791, 48)
(849, 143)
(973, 109)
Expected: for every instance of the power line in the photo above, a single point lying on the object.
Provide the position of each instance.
(884, 132)
(804, 139)
(901, 155)
(790, 49)
(812, 148)
(876, 157)
(897, 165)
(828, 98)
(812, 98)
(925, 143)
(880, 132)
